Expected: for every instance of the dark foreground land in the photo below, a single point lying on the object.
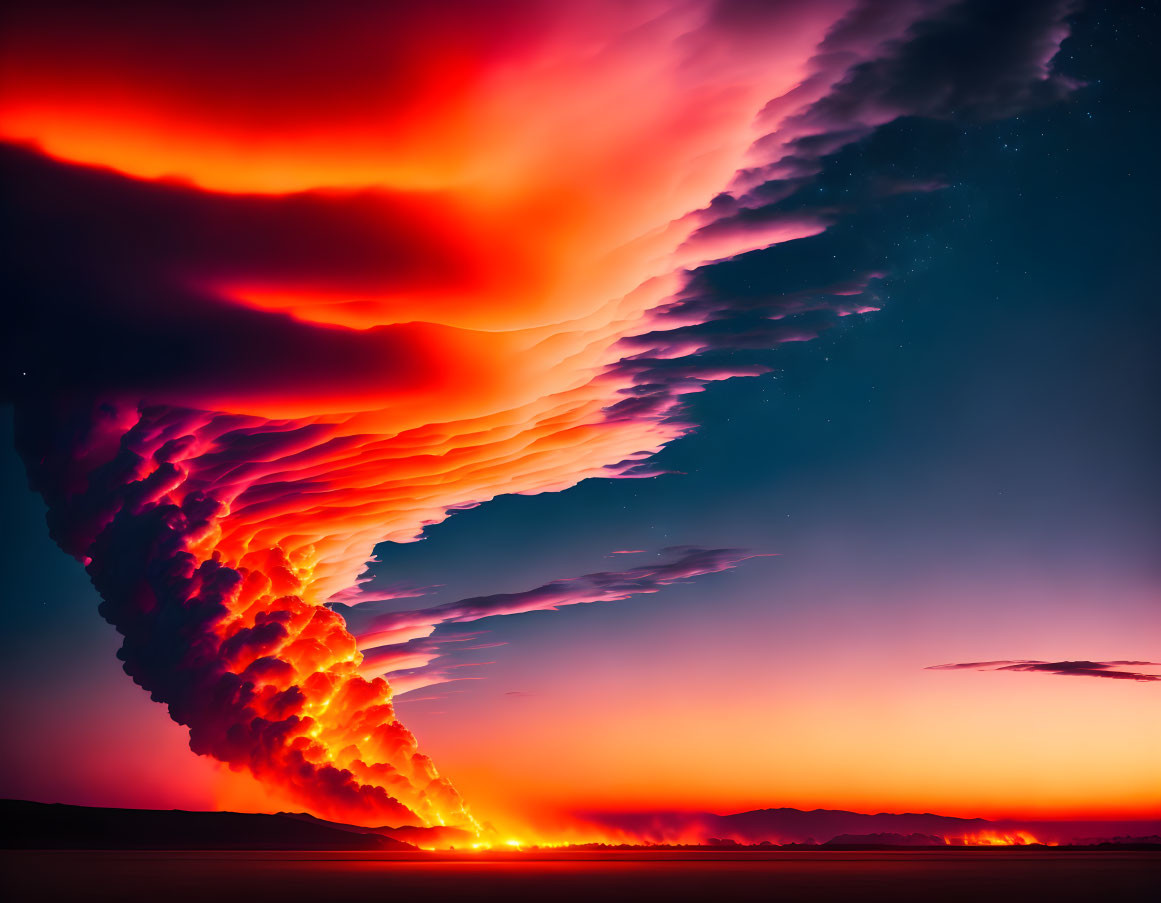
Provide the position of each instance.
(863, 877)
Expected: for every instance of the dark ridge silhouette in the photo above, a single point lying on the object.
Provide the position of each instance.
(437, 836)
(818, 826)
(797, 825)
(787, 825)
(53, 826)
(886, 840)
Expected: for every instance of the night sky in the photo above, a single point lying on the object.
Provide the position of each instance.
(966, 475)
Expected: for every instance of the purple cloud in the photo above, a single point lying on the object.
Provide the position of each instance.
(1075, 669)
(405, 647)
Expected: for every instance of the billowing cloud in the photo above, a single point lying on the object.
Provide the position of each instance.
(292, 281)
(1111, 670)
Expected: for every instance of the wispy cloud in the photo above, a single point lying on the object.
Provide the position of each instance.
(1112, 670)
(405, 647)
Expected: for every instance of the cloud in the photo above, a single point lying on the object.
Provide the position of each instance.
(405, 647)
(685, 563)
(975, 59)
(1111, 670)
(312, 283)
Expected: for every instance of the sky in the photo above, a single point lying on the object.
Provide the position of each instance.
(957, 467)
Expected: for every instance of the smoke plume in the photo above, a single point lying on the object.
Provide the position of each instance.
(295, 280)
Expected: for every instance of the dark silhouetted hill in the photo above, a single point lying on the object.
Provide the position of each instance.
(797, 826)
(436, 837)
(52, 826)
(785, 825)
(818, 826)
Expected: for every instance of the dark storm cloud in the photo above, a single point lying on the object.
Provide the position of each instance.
(977, 59)
(1110, 670)
(972, 60)
(101, 272)
(956, 62)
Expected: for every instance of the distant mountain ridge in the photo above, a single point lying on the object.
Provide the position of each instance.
(438, 836)
(885, 840)
(798, 826)
(781, 826)
(30, 825)
(54, 826)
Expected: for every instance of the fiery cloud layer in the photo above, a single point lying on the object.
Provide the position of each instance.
(349, 269)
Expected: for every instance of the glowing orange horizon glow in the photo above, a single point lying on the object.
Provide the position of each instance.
(1000, 839)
